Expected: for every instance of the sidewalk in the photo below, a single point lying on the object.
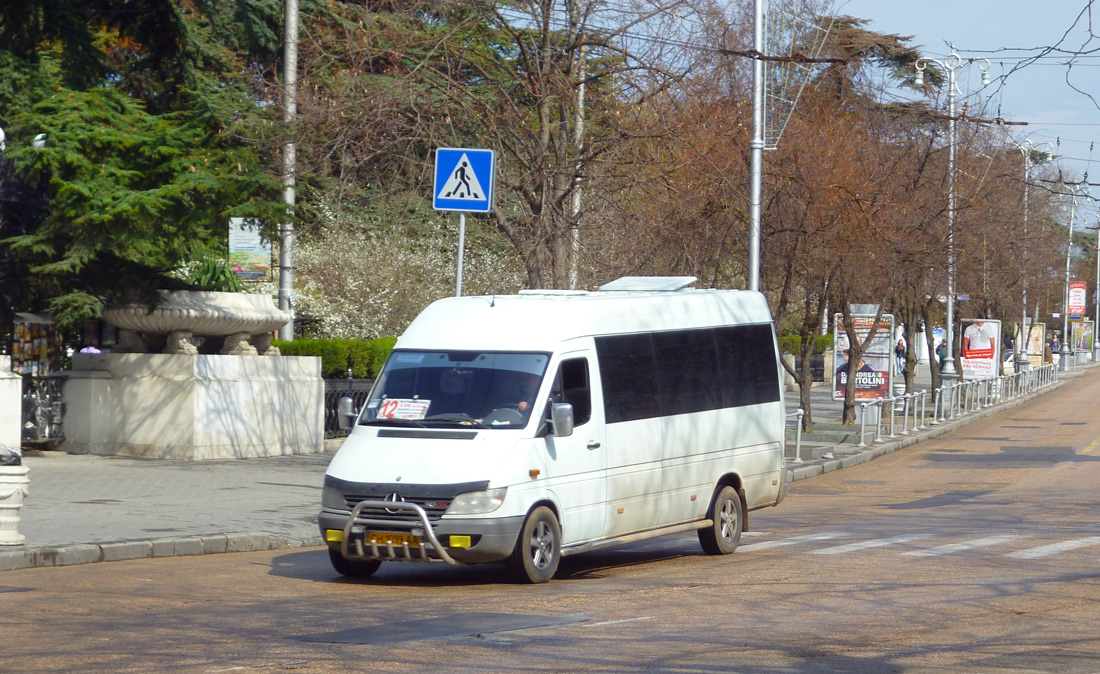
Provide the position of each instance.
(85, 508)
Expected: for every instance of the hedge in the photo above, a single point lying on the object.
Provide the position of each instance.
(365, 357)
(793, 344)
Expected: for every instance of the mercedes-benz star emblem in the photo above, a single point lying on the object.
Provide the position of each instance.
(394, 497)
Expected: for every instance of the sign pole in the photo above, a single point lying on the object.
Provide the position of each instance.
(465, 180)
(461, 248)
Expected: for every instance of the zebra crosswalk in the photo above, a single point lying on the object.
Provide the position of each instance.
(832, 543)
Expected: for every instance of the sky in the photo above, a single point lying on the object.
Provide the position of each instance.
(1006, 32)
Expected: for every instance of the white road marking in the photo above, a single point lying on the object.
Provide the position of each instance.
(962, 547)
(874, 543)
(809, 538)
(616, 622)
(1055, 548)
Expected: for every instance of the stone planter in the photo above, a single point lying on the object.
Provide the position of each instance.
(13, 489)
(183, 313)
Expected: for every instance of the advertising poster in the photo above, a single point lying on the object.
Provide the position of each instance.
(873, 371)
(1077, 295)
(249, 254)
(1036, 340)
(981, 348)
(1082, 334)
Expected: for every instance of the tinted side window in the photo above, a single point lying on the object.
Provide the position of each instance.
(575, 390)
(687, 371)
(746, 361)
(628, 377)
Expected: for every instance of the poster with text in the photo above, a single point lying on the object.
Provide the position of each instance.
(249, 254)
(874, 370)
(981, 348)
(1077, 298)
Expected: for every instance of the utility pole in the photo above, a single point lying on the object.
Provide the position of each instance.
(290, 109)
(756, 145)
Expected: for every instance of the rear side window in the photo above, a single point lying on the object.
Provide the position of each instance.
(686, 371)
(687, 368)
(746, 361)
(628, 377)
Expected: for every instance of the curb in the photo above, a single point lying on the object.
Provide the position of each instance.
(116, 551)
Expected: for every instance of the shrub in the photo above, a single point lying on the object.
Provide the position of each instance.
(364, 357)
(792, 344)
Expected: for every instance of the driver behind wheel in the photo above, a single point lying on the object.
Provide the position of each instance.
(514, 399)
(528, 387)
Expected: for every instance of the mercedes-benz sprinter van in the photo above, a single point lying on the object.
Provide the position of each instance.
(523, 428)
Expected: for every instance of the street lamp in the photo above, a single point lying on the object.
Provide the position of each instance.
(1066, 351)
(951, 63)
(1096, 290)
(1026, 147)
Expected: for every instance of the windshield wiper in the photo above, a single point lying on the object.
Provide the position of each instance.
(394, 422)
(460, 418)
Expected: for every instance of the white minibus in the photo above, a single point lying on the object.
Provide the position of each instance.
(524, 428)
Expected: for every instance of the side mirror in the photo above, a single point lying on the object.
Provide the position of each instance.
(345, 412)
(561, 419)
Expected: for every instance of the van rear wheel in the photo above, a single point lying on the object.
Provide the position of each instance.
(728, 518)
(352, 568)
(538, 550)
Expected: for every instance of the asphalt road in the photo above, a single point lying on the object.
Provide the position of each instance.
(974, 552)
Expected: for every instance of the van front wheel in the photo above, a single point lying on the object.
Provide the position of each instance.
(727, 516)
(538, 550)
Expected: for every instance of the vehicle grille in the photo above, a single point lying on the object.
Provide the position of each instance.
(434, 507)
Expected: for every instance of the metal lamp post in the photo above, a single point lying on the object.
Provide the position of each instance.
(950, 64)
(1066, 350)
(1096, 291)
(1026, 148)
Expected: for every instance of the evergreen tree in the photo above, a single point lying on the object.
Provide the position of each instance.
(146, 109)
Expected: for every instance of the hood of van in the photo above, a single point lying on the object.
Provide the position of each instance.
(372, 454)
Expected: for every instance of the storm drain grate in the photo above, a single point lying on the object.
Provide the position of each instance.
(463, 625)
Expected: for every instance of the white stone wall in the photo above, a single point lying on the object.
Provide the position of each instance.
(194, 406)
(11, 405)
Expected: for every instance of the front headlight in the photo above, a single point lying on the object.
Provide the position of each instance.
(477, 502)
(333, 498)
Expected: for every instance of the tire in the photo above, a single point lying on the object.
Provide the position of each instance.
(538, 550)
(358, 568)
(728, 515)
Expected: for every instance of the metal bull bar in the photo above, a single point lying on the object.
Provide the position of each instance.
(387, 552)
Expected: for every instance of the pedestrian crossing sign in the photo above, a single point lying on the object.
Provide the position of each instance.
(464, 179)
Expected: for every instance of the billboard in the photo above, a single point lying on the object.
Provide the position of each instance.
(1077, 296)
(1036, 341)
(874, 370)
(249, 254)
(981, 348)
(1082, 334)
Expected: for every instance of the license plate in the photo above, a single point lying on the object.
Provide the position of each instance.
(383, 537)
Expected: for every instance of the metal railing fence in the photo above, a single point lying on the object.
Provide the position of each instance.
(952, 401)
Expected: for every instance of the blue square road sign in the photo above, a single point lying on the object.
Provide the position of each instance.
(464, 180)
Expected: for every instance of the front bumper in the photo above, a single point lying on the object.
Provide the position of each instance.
(787, 477)
(490, 540)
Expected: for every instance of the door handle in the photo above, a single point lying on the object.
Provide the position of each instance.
(593, 445)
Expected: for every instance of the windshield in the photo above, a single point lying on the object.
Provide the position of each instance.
(456, 388)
